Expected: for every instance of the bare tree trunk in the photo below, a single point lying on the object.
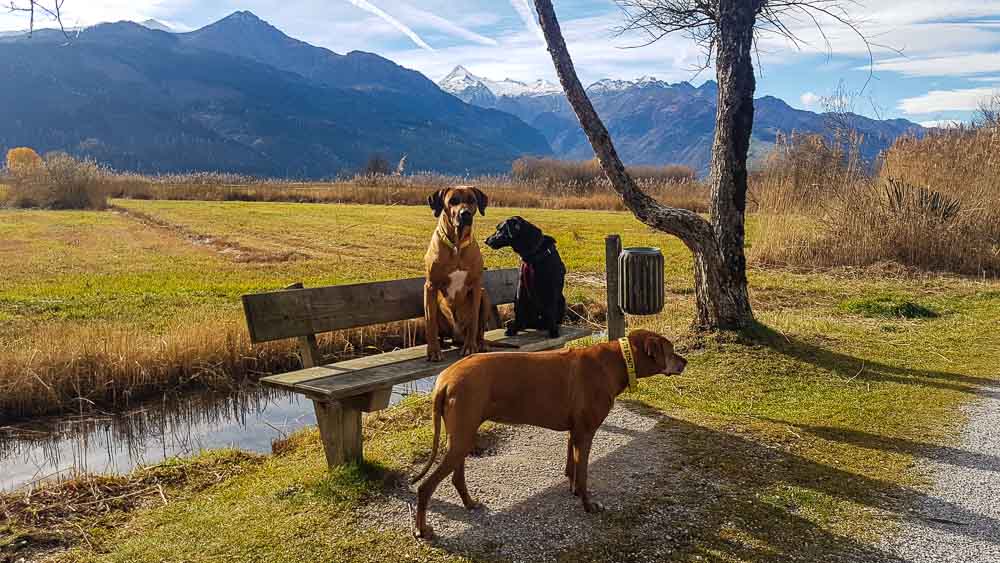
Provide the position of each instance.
(733, 126)
(720, 280)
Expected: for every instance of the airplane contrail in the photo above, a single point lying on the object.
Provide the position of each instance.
(373, 9)
(523, 9)
(446, 26)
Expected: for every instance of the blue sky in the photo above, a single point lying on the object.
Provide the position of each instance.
(934, 59)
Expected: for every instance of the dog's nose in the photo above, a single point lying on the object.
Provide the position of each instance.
(465, 217)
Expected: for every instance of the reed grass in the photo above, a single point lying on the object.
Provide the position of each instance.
(932, 205)
(506, 191)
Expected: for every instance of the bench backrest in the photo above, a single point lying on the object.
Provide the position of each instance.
(293, 313)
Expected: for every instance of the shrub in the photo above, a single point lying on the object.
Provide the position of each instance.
(22, 160)
(61, 182)
(377, 165)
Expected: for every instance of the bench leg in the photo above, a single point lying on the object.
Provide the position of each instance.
(340, 430)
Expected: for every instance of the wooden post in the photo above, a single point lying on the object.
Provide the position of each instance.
(616, 319)
(340, 430)
(308, 348)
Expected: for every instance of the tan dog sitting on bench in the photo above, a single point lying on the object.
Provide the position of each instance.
(572, 389)
(455, 303)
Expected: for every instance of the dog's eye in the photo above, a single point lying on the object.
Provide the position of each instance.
(454, 201)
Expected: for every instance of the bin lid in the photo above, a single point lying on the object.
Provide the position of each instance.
(642, 250)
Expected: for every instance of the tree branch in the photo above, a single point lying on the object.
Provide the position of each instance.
(52, 10)
(694, 231)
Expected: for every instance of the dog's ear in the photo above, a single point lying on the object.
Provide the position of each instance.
(654, 347)
(436, 201)
(481, 200)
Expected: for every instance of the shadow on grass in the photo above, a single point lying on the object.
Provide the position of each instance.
(680, 490)
(850, 367)
(942, 454)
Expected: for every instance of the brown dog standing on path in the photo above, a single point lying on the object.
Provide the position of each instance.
(572, 389)
(454, 301)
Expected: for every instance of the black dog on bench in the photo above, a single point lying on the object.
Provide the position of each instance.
(540, 303)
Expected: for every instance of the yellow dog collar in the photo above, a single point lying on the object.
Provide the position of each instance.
(447, 241)
(626, 347)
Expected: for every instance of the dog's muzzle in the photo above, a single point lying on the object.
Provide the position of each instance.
(465, 218)
(495, 242)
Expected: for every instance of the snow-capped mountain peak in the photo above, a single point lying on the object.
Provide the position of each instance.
(460, 81)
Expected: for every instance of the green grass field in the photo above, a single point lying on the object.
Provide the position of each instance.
(808, 426)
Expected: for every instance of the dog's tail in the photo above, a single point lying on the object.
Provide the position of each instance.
(437, 413)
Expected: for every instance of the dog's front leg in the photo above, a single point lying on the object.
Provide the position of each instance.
(550, 316)
(521, 307)
(581, 457)
(473, 334)
(431, 313)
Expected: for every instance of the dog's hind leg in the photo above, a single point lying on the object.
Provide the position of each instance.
(459, 446)
(458, 479)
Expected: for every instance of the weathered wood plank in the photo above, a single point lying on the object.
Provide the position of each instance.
(359, 376)
(301, 312)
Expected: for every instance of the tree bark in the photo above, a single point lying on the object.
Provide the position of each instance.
(733, 126)
(720, 280)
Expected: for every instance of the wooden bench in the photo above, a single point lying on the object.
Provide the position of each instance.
(342, 391)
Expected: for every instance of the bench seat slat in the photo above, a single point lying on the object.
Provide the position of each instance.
(293, 313)
(361, 375)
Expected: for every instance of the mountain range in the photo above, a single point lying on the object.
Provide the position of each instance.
(654, 122)
(241, 96)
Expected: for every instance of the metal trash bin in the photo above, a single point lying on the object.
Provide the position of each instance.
(641, 289)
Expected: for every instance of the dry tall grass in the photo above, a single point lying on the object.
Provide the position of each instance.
(403, 190)
(60, 367)
(934, 204)
(58, 182)
(585, 175)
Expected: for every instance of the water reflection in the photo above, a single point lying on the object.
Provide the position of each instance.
(248, 418)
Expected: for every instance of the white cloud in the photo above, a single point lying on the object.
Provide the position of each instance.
(956, 64)
(428, 19)
(941, 123)
(527, 14)
(946, 100)
(373, 9)
(596, 52)
(809, 99)
(992, 79)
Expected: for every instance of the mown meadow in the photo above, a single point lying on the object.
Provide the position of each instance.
(800, 439)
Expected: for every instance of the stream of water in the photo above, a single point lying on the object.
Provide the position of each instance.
(249, 418)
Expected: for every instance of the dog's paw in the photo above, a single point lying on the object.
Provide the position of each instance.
(511, 330)
(434, 356)
(427, 533)
(474, 505)
(593, 507)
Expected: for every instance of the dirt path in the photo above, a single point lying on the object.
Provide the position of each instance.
(530, 514)
(962, 509)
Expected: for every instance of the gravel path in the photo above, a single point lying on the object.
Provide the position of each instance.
(960, 516)
(530, 514)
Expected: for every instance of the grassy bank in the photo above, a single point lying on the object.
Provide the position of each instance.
(795, 441)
